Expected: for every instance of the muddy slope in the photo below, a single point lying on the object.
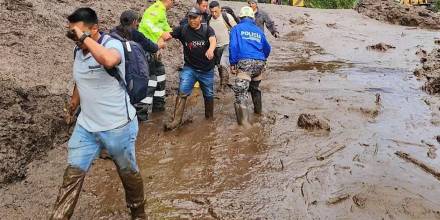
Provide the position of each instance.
(429, 69)
(29, 122)
(35, 72)
(33, 45)
(392, 12)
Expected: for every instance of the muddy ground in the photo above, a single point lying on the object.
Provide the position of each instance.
(393, 12)
(428, 69)
(36, 73)
(321, 66)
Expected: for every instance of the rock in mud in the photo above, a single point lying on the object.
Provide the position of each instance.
(312, 122)
(359, 201)
(429, 70)
(299, 21)
(382, 47)
(30, 120)
(331, 25)
(393, 12)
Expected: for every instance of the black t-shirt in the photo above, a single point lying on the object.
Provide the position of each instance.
(195, 44)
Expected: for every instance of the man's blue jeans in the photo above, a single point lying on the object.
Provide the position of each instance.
(189, 77)
(85, 146)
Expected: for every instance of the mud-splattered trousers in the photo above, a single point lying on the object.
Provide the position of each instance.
(248, 79)
(85, 146)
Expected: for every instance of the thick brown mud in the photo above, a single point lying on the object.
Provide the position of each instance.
(35, 74)
(395, 13)
(428, 70)
(28, 127)
(277, 170)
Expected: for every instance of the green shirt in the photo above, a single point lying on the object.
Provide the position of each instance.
(154, 21)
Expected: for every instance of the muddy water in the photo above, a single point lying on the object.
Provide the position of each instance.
(276, 170)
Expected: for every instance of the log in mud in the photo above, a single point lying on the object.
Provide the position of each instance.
(373, 103)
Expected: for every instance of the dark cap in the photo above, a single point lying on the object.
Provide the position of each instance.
(194, 12)
(127, 17)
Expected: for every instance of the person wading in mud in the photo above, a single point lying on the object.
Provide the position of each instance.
(199, 43)
(249, 50)
(202, 5)
(128, 29)
(153, 25)
(222, 23)
(263, 19)
(107, 119)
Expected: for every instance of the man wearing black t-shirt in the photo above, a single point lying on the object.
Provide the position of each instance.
(199, 43)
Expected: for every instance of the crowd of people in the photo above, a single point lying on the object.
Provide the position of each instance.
(108, 71)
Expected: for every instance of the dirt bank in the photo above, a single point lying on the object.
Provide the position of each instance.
(30, 120)
(392, 12)
(36, 60)
(429, 70)
(33, 45)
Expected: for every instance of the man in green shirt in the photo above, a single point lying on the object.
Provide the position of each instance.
(153, 25)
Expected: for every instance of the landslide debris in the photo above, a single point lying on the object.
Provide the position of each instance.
(393, 12)
(381, 47)
(33, 46)
(429, 69)
(312, 122)
(35, 72)
(30, 120)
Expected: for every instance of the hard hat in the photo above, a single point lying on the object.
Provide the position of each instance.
(247, 12)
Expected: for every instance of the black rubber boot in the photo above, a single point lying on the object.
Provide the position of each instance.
(209, 109)
(143, 111)
(134, 193)
(68, 194)
(256, 96)
(178, 113)
(158, 104)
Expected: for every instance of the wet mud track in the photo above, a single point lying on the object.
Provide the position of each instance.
(275, 170)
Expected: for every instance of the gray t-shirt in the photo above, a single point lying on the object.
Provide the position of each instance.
(103, 106)
(221, 29)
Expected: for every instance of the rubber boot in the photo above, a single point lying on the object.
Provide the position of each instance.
(68, 194)
(178, 113)
(224, 78)
(209, 109)
(256, 97)
(143, 111)
(242, 114)
(134, 193)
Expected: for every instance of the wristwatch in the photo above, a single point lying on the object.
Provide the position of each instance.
(83, 37)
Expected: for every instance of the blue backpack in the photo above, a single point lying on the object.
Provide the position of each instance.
(137, 71)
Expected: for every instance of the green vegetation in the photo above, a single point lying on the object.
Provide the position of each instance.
(330, 4)
(437, 5)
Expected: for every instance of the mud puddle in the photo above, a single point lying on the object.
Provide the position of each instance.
(330, 66)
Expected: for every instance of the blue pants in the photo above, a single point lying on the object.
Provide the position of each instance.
(189, 77)
(85, 146)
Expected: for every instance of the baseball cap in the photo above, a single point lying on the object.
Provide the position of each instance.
(194, 12)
